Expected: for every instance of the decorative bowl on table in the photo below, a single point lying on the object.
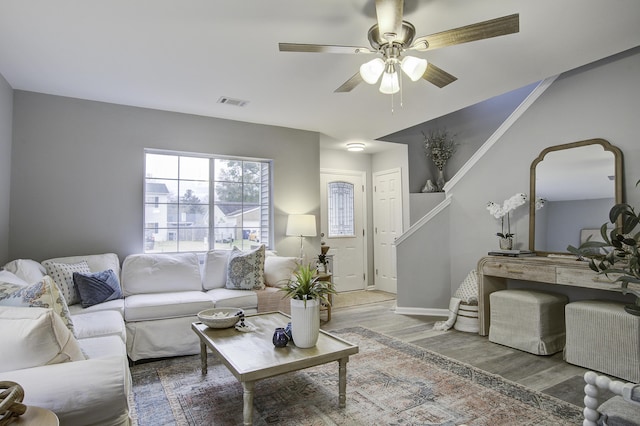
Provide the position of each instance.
(220, 317)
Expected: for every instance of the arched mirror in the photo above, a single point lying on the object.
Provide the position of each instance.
(573, 187)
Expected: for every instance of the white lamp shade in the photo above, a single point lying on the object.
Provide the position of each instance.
(301, 225)
(413, 67)
(390, 83)
(372, 70)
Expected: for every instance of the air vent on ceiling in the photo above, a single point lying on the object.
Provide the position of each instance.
(231, 101)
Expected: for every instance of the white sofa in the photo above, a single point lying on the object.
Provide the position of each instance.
(164, 292)
(84, 379)
(162, 295)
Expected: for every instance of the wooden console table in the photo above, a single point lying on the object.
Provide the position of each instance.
(494, 271)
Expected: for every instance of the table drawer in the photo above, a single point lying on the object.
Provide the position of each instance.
(520, 271)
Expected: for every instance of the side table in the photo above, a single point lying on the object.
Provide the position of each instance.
(326, 276)
(36, 416)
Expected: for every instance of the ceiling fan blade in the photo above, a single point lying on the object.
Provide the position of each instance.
(319, 48)
(350, 84)
(389, 13)
(437, 76)
(492, 28)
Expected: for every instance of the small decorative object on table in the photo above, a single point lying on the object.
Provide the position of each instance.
(220, 317)
(440, 148)
(11, 395)
(500, 211)
(280, 338)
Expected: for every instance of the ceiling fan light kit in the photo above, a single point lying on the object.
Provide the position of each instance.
(391, 37)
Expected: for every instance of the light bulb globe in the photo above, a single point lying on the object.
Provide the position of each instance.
(413, 67)
(372, 70)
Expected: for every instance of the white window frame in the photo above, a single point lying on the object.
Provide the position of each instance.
(268, 242)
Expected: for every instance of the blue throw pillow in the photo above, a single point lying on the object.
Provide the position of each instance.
(97, 287)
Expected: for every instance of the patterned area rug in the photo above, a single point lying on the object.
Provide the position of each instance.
(389, 382)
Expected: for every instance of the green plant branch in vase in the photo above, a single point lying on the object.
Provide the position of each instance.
(305, 286)
(618, 255)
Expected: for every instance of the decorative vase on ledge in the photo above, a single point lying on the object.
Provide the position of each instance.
(506, 243)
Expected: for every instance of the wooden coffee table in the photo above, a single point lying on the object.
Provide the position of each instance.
(251, 356)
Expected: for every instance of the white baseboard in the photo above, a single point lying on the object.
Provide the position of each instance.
(423, 311)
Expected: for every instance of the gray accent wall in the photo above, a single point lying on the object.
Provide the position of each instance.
(77, 171)
(6, 118)
(600, 100)
(470, 127)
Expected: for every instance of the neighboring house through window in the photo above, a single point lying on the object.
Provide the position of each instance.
(199, 202)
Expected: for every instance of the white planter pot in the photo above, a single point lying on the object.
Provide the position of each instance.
(305, 322)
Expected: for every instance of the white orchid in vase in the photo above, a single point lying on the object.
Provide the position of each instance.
(500, 211)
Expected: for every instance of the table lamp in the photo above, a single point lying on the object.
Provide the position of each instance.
(301, 225)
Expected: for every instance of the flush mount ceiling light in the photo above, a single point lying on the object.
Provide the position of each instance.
(391, 38)
(355, 146)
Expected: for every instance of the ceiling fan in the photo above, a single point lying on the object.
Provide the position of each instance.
(391, 37)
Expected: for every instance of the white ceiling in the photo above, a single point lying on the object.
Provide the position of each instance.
(183, 55)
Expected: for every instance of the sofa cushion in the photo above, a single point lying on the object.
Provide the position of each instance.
(96, 262)
(112, 305)
(62, 274)
(33, 337)
(103, 347)
(215, 269)
(97, 287)
(26, 269)
(160, 273)
(245, 269)
(42, 294)
(144, 307)
(227, 298)
(11, 278)
(99, 324)
(279, 269)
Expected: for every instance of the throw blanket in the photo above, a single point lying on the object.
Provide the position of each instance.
(467, 293)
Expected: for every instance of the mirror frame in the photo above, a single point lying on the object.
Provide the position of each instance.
(619, 178)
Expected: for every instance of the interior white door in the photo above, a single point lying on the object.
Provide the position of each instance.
(342, 226)
(387, 226)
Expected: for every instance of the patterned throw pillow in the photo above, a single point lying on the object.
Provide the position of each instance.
(43, 294)
(97, 287)
(245, 270)
(62, 274)
(468, 290)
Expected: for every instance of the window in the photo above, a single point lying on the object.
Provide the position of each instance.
(340, 209)
(197, 202)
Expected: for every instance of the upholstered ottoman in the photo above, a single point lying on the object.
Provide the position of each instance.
(601, 336)
(532, 321)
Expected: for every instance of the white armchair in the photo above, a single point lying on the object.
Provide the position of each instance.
(623, 409)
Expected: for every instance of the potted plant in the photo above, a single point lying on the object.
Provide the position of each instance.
(306, 293)
(618, 254)
(439, 147)
(500, 211)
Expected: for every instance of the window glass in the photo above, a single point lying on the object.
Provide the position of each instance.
(341, 220)
(185, 210)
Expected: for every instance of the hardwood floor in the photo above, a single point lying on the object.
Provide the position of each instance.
(548, 374)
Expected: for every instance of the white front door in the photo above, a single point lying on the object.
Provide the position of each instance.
(342, 226)
(387, 226)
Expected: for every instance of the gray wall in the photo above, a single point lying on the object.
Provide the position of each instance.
(470, 127)
(420, 286)
(600, 100)
(6, 117)
(77, 171)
